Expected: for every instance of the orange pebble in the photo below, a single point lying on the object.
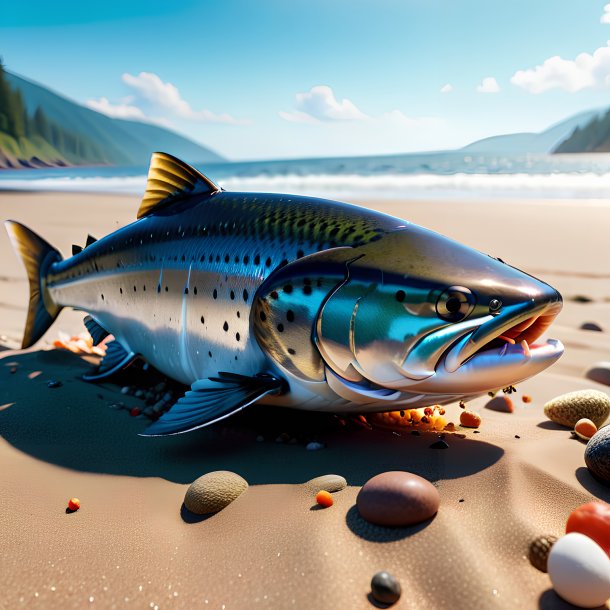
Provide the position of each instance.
(324, 499)
(73, 503)
(526, 398)
(469, 419)
(585, 428)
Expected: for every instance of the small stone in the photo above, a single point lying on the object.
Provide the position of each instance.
(53, 383)
(385, 588)
(439, 445)
(591, 326)
(73, 504)
(597, 455)
(526, 398)
(13, 370)
(502, 403)
(599, 372)
(125, 390)
(568, 408)
(314, 446)
(470, 419)
(397, 498)
(585, 429)
(139, 394)
(134, 412)
(214, 491)
(283, 438)
(327, 482)
(539, 551)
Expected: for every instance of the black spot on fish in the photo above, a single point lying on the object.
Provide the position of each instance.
(225, 326)
(183, 258)
(215, 293)
(283, 263)
(245, 295)
(167, 289)
(232, 295)
(290, 315)
(144, 288)
(268, 262)
(102, 297)
(158, 288)
(202, 320)
(121, 290)
(226, 258)
(134, 289)
(288, 288)
(237, 259)
(300, 253)
(274, 295)
(307, 289)
(263, 316)
(210, 354)
(400, 295)
(237, 336)
(186, 290)
(280, 327)
(218, 258)
(291, 351)
(257, 259)
(210, 258)
(195, 290)
(246, 259)
(238, 315)
(202, 258)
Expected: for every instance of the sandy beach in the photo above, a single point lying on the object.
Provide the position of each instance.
(132, 544)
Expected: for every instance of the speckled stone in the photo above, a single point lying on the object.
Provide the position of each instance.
(568, 408)
(539, 551)
(385, 588)
(597, 455)
(214, 491)
(397, 498)
(327, 482)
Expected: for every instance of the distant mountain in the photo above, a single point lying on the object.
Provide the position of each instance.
(592, 137)
(544, 142)
(112, 141)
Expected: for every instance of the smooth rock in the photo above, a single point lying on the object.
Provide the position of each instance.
(597, 455)
(580, 571)
(591, 326)
(385, 588)
(327, 482)
(503, 404)
(397, 498)
(585, 429)
(214, 491)
(314, 446)
(568, 408)
(599, 372)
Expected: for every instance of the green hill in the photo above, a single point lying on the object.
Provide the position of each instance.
(87, 137)
(592, 137)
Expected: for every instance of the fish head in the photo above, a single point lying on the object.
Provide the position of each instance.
(419, 312)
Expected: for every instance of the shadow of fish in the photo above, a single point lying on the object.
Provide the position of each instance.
(292, 301)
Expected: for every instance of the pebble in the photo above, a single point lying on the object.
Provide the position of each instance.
(53, 383)
(214, 491)
(125, 390)
(585, 429)
(501, 403)
(470, 419)
(397, 498)
(599, 372)
(73, 504)
(324, 499)
(580, 571)
(592, 520)
(385, 588)
(539, 551)
(439, 445)
(591, 326)
(568, 408)
(314, 446)
(327, 482)
(597, 455)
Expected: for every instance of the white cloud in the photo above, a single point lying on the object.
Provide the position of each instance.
(448, 88)
(320, 104)
(584, 71)
(488, 85)
(117, 111)
(165, 96)
(605, 18)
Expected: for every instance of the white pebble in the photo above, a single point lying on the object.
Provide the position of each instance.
(314, 446)
(580, 571)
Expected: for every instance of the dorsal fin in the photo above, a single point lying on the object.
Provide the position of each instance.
(90, 240)
(168, 180)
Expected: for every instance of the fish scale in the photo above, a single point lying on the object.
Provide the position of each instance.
(294, 301)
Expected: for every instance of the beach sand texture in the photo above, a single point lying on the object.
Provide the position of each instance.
(132, 544)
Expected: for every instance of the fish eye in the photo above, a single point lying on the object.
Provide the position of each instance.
(495, 305)
(455, 303)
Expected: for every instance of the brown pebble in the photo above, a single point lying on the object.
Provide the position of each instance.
(470, 419)
(503, 404)
(539, 551)
(213, 491)
(397, 498)
(526, 398)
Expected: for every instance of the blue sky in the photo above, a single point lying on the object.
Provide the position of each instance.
(273, 79)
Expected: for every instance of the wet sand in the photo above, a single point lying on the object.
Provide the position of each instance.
(132, 545)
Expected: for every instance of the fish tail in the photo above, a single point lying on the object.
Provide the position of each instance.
(37, 256)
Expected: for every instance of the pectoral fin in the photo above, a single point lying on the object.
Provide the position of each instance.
(97, 331)
(213, 399)
(116, 358)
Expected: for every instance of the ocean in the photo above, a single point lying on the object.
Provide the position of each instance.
(454, 174)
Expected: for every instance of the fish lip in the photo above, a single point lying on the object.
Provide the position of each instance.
(523, 321)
